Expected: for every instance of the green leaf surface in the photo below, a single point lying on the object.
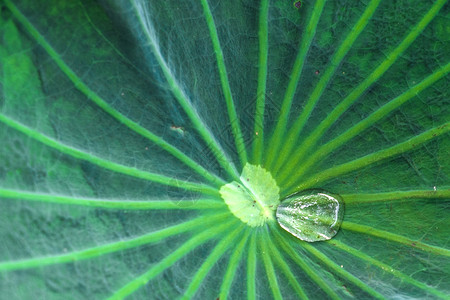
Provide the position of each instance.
(255, 198)
(121, 120)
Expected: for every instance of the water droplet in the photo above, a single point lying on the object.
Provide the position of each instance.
(312, 215)
(297, 4)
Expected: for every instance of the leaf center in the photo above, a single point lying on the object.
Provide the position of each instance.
(255, 198)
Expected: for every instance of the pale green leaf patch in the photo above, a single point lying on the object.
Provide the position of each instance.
(255, 198)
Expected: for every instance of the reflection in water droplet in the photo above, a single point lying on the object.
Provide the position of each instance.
(312, 215)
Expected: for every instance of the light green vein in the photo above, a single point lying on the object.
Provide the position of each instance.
(380, 113)
(308, 35)
(153, 177)
(74, 256)
(343, 273)
(194, 204)
(373, 77)
(441, 193)
(278, 257)
(322, 84)
(169, 260)
(251, 268)
(181, 97)
(232, 266)
(394, 237)
(234, 120)
(263, 36)
(387, 269)
(293, 254)
(270, 270)
(369, 159)
(209, 263)
(84, 88)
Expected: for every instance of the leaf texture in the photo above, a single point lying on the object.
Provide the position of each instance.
(121, 120)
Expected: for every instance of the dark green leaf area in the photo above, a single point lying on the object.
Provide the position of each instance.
(121, 121)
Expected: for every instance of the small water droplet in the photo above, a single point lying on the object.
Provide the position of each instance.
(312, 215)
(297, 4)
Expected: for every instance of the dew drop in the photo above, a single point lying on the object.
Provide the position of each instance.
(312, 215)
